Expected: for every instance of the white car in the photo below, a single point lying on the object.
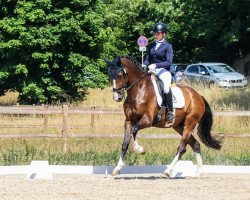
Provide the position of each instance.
(219, 74)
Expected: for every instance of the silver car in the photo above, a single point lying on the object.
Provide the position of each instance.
(219, 74)
(177, 70)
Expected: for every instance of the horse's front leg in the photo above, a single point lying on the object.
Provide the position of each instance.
(130, 129)
(144, 122)
(134, 143)
(136, 147)
(125, 144)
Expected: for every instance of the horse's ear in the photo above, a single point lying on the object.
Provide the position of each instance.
(107, 61)
(118, 61)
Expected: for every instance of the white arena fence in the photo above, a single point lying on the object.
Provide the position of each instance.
(42, 170)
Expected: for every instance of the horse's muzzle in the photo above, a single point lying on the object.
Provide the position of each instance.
(118, 95)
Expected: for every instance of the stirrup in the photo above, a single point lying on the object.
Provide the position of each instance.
(170, 117)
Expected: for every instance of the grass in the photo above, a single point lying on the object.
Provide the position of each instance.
(235, 151)
(107, 152)
(10, 98)
(226, 99)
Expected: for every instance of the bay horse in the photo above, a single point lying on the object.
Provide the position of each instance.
(141, 108)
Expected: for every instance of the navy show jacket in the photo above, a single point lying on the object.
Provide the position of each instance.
(162, 57)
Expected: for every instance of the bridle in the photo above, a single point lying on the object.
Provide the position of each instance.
(126, 86)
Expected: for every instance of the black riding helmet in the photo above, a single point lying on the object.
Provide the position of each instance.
(159, 27)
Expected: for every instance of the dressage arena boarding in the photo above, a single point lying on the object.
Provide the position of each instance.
(39, 180)
(43, 181)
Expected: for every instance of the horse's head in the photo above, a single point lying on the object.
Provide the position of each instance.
(119, 76)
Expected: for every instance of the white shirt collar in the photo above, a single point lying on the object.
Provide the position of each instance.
(161, 41)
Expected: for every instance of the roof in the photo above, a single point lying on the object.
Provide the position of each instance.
(179, 64)
(208, 63)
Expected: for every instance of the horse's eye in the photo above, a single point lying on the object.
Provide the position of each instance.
(119, 77)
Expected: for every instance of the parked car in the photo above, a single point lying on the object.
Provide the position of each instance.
(177, 71)
(219, 74)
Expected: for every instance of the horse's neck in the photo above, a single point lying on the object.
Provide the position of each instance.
(134, 74)
(138, 82)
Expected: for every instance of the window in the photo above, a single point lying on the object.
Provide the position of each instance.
(193, 69)
(220, 68)
(180, 68)
(203, 70)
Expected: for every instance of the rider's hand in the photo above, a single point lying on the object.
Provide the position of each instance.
(152, 67)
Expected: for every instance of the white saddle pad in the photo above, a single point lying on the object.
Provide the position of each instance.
(178, 97)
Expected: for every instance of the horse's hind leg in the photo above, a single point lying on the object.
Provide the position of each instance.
(169, 170)
(185, 132)
(195, 145)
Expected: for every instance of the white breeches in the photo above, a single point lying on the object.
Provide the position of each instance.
(165, 76)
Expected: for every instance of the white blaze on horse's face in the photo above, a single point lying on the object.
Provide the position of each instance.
(117, 95)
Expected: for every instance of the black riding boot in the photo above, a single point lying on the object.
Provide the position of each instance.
(169, 104)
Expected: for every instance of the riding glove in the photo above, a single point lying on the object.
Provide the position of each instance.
(152, 66)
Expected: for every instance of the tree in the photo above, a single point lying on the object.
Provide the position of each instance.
(47, 49)
(53, 50)
(214, 29)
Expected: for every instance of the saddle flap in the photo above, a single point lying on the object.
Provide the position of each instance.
(178, 97)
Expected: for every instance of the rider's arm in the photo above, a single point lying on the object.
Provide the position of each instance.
(146, 62)
(147, 59)
(169, 58)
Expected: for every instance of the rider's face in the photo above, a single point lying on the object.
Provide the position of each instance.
(159, 36)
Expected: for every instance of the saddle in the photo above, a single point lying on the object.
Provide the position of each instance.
(177, 95)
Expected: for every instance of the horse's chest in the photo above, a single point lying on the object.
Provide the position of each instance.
(133, 113)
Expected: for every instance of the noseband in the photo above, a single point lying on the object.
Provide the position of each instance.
(127, 86)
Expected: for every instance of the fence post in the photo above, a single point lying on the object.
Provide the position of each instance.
(65, 111)
(34, 110)
(45, 117)
(92, 123)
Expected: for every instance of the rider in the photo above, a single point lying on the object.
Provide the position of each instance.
(158, 60)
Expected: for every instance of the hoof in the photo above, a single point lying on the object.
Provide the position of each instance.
(115, 172)
(165, 175)
(198, 175)
(142, 151)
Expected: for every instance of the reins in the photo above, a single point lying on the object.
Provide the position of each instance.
(127, 88)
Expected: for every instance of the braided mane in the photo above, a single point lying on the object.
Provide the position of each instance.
(138, 65)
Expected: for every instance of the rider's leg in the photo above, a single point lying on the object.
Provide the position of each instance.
(166, 77)
(169, 101)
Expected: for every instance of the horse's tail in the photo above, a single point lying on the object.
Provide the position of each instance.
(204, 129)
